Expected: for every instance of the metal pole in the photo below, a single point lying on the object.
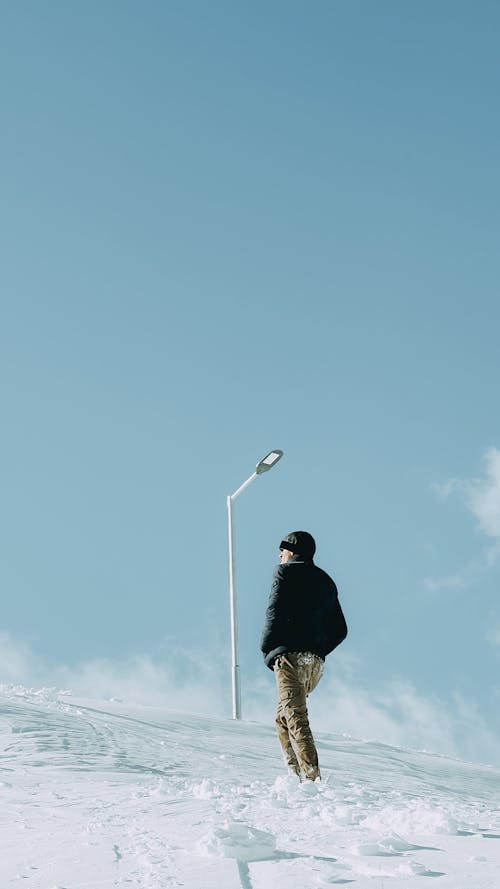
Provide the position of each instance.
(235, 667)
(265, 464)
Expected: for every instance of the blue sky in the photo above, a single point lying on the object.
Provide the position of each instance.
(228, 228)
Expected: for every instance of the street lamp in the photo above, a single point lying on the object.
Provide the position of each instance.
(263, 465)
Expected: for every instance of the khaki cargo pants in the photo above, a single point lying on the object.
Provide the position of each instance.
(297, 675)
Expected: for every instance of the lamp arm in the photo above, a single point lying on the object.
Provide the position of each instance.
(243, 486)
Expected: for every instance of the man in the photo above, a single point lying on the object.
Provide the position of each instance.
(304, 623)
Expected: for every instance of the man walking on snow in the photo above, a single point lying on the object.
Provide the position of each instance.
(304, 623)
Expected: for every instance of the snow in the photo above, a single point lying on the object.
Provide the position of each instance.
(106, 794)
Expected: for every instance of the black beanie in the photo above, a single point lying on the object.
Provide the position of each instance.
(301, 543)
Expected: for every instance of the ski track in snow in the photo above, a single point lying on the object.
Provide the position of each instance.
(103, 794)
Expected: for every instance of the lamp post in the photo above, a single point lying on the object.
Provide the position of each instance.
(263, 465)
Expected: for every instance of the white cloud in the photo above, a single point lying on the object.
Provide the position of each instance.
(481, 496)
(191, 682)
(17, 662)
(446, 489)
(394, 713)
(186, 682)
(451, 582)
(493, 636)
(467, 577)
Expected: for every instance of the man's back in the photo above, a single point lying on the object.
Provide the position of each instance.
(303, 612)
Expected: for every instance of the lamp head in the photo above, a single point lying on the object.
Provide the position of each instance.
(268, 461)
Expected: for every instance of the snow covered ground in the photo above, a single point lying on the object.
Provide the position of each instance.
(104, 794)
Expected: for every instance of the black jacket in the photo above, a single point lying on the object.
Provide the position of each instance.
(303, 613)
